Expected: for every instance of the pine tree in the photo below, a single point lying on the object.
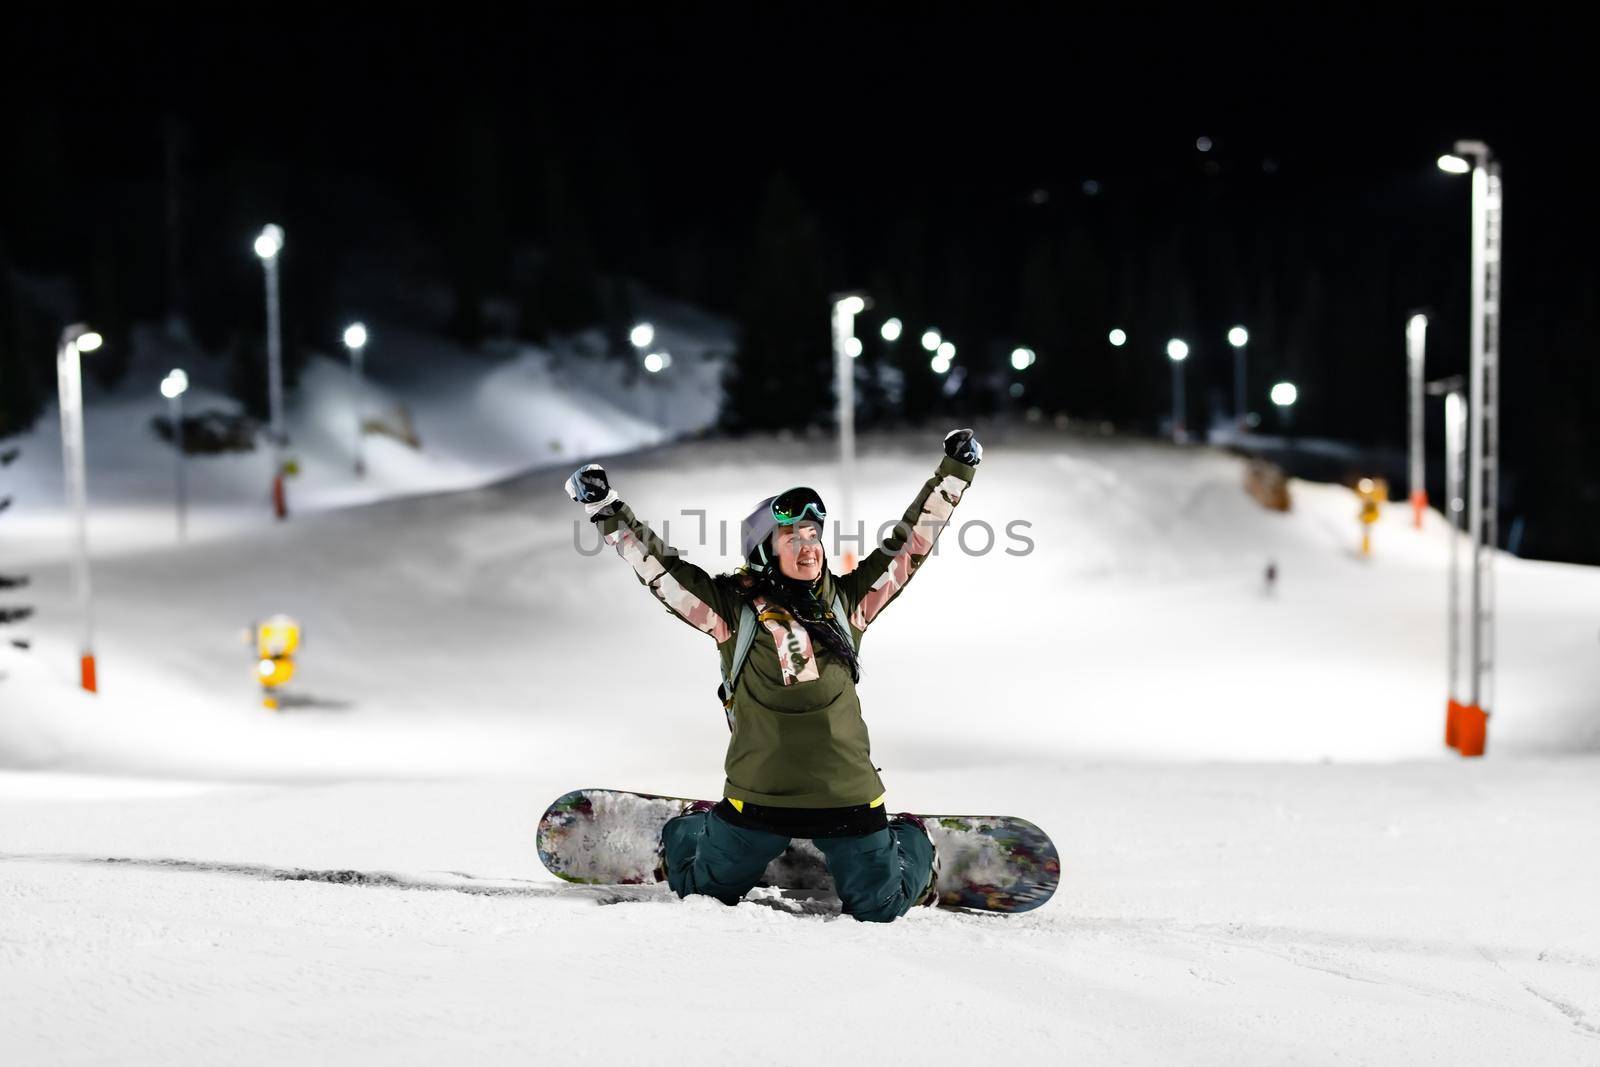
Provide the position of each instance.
(10, 613)
(781, 375)
(477, 247)
(1086, 294)
(872, 397)
(569, 285)
(620, 318)
(907, 298)
(22, 378)
(247, 373)
(1042, 322)
(108, 307)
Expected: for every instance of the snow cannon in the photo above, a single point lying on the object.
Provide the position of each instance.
(1373, 493)
(276, 641)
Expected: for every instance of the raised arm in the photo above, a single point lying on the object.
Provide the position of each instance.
(882, 574)
(687, 591)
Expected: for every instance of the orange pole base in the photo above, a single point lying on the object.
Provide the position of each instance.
(1452, 724)
(1419, 504)
(1472, 730)
(87, 674)
(280, 503)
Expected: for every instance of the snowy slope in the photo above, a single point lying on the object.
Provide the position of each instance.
(1210, 914)
(1230, 895)
(479, 418)
(1136, 627)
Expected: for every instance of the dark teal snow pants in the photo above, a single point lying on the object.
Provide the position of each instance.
(878, 876)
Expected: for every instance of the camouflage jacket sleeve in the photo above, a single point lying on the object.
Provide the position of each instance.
(870, 587)
(687, 591)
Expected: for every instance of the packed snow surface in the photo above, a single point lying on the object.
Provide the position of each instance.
(1268, 855)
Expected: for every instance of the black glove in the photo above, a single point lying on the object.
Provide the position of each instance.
(963, 447)
(588, 484)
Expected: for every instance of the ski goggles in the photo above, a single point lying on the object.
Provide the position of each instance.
(793, 505)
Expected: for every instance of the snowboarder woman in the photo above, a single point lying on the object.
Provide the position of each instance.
(799, 762)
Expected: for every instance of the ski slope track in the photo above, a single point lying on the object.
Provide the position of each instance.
(1268, 856)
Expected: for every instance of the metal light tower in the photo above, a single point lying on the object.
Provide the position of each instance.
(1416, 343)
(1483, 435)
(269, 243)
(846, 347)
(1177, 352)
(1239, 337)
(173, 386)
(355, 339)
(77, 339)
(1455, 455)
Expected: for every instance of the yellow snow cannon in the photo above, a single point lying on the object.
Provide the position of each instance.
(276, 640)
(1373, 493)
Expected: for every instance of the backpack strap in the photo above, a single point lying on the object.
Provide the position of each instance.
(746, 636)
(844, 620)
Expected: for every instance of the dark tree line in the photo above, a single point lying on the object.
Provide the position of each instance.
(558, 223)
(10, 613)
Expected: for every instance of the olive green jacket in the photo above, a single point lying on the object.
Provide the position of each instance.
(799, 740)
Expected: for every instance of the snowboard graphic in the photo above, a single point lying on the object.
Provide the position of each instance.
(610, 837)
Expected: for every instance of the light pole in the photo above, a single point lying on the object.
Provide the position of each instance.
(1455, 453)
(1239, 337)
(1483, 433)
(846, 347)
(888, 379)
(77, 339)
(1284, 394)
(173, 386)
(355, 339)
(1021, 359)
(654, 364)
(1416, 342)
(1177, 352)
(943, 360)
(1123, 375)
(269, 243)
(642, 337)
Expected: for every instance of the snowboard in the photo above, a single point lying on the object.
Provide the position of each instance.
(992, 863)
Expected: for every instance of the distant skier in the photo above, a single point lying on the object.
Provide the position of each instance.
(799, 761)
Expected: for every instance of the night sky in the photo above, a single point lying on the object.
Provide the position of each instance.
(941, 160)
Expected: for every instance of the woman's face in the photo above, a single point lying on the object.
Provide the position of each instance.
(799, 550)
